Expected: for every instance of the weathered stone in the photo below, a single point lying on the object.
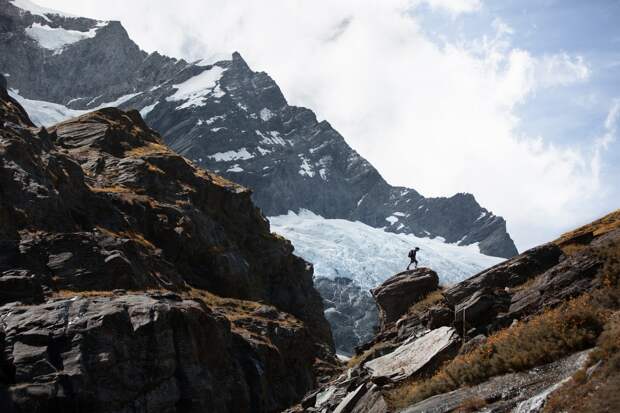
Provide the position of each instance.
(138, 353)
(416, 356)
(350, 400)
(371, 402)
(438, 316)
(398, 293)
(507, 274)
(480, 309)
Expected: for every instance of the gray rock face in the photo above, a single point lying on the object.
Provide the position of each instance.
(239, 124)
(398, 293)
(351, 312)
(416, 355)
(137, 353)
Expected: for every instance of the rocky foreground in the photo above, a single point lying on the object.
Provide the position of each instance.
(132, 281)
(538, 332)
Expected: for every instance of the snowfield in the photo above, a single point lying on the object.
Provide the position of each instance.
(367, 255)
(195, 90)
(45, 113)
(57, 38)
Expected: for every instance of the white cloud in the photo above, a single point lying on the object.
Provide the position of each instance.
(561, 70)
(439, 118)
(454, 7)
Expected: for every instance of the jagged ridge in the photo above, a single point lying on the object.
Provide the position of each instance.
(240, 126)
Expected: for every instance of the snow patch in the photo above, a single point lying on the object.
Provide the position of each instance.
(399, 214)
(57, 38)
(369, 256)
(45, 113)
(147, 109)
(392, 219)
(241, 154)
(361, 200)
(37, 10)
(305, 169)
(195, 90)
(263, 151)
(235, 168)
(266, 114)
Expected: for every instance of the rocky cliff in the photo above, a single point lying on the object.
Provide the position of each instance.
(133, 281)
(229, 119)
(535, 333)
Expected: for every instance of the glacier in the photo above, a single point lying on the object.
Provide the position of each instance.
(368, 255)
(350, 258)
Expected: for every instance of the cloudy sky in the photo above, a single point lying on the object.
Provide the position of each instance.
(515, 101)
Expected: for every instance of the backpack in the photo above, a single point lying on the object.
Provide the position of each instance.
(411, 254)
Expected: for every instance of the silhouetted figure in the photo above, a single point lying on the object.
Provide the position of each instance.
(412, 255)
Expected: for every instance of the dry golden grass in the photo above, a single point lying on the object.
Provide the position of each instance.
(598, 391)
(154, 169)
(71, 294)
(599, 227)
(427, 302)
(149, 149)
(545, 338)
(113, 189)
(362, 358)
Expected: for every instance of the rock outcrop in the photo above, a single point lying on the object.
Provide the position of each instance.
(131, 280)
(398, 293)
(415, 356)
(469, 319)
(226, 117)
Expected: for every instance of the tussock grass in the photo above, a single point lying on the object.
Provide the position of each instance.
(432, 298)
(547, 337)
(599, 227)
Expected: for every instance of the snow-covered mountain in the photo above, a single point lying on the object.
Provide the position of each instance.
(232, 120)
(226, 118)
(343, 250)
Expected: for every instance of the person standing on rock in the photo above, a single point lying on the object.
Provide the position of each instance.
(412, 255)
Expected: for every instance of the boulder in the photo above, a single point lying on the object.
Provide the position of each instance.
(507, 274)
(415, 356)
(371, 402)
(438, 316)
(481, 309)
(398, 293)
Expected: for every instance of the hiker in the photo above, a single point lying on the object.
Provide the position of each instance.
(412, 255)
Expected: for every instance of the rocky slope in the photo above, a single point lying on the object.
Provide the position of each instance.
(227, 118)
(526, 335)
(131, 280)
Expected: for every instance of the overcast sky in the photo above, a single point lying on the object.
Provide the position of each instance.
(515, 101)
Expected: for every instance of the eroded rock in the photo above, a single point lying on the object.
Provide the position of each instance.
(398, 293)
(415, 356)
